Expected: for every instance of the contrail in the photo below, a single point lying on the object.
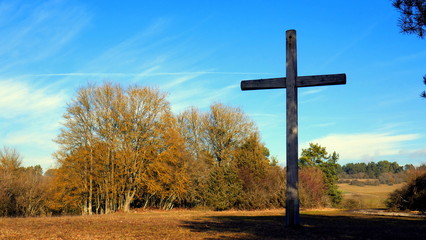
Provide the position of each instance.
(143, 74)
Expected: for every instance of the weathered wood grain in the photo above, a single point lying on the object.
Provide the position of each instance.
(292, 191)
(302, 81)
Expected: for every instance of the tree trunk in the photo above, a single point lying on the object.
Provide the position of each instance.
(91, 182)
(129, 199)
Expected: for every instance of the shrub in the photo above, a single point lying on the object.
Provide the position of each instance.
(266, 192)
(412, 196)
(312, 189)
(224, 188)
(353, 203)
(357, 183)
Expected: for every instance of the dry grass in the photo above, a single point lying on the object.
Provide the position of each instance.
(381, 190)
(176, 224)
(187, 224)
(367, 196)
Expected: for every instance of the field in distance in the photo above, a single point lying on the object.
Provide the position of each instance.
(367, 196)
(203, 224)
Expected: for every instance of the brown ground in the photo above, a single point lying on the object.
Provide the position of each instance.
(187, 224)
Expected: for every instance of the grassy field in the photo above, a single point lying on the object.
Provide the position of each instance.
(367, 196)
(187, 224)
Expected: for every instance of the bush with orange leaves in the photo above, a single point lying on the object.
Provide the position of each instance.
(312, 189)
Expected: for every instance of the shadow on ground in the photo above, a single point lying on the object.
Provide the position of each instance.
(313, 227)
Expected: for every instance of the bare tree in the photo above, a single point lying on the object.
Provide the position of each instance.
(22, 189)
(225, 130)
(200, 161)
(121, 145)
(10, 159)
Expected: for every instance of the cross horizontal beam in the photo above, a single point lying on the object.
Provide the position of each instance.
(302, 81)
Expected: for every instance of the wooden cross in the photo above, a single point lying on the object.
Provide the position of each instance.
(291, 83)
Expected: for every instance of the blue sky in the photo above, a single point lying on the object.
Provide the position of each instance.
(199, 51)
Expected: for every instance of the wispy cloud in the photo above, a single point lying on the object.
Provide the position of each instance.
(135, 53)
(262, 115)
(267, 121)
(199, 96)
(29, 118)
(36, 31)
(19, 98)
(32, 34)
(311, 91)
(148, 73)
(36, 138)
(365, 146)
(180, 80)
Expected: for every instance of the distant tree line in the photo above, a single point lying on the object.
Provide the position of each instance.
(382, 172)
(372, 169)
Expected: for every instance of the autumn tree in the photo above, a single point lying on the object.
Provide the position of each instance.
(62, 194)
(317, 156)
(193, 129)
(200, 160)
(229, 166)
(10, 164)
(252, 165)
(212, 139)
(32, 186)
(312, 189)
(22, 189)
(165, 178)
(121, 145)
(251, 161)
(249, 181)
(226, 128)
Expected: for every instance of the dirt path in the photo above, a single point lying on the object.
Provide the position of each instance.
(381, 212)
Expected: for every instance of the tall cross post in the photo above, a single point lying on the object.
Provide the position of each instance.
(292, 82)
